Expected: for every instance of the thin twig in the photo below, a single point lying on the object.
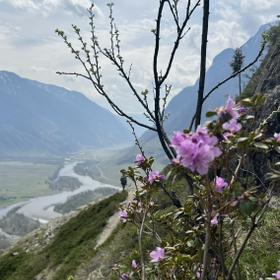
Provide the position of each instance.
(180, 35)
(237, 169)
(143, 276)
(238, 275)
(207, 240)
(221, 249)
(137, 143)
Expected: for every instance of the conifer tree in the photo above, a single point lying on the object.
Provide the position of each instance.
(236, 65)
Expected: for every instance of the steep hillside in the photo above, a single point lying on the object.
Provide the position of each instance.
(37, 118)
(266, 82)
(57, 250)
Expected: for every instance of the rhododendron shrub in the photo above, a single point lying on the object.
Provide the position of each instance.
(223, 202)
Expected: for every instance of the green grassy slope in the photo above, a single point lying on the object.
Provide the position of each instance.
(72, 246)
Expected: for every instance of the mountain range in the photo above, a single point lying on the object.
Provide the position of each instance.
(46, 119)
(37, 118)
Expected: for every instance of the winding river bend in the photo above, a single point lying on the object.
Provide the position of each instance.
(42, 208)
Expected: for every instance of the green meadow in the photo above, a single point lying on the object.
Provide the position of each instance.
(22, 180)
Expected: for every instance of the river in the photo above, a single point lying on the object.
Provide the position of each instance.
(42, 208)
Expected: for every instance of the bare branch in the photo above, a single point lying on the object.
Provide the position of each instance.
(142, 261)
(180, 34)
(126, 77)
(174, 12)
(91, 64)
(167, 93)
(94, 76)
(95, 46)
(111, 32)
(207, 241)
(72, 74)
(170, 154)
(137, 142)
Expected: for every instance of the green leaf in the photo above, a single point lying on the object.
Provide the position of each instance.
(261, 146)
(249, 117)
(258, 136)
(242, 139)
(211, 114)
(177, 214)
(190, 243)
(246, 102)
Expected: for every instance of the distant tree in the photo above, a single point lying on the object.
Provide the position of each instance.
(236, 65)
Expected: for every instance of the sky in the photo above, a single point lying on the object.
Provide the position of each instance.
(30, 47)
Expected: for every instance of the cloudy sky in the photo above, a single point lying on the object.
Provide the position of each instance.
(30, 48)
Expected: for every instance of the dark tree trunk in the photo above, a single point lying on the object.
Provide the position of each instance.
(202, 62)
(239, 81)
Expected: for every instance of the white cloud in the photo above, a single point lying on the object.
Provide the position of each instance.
(23, 4)
(259, 5)
(34, 51)
(48, 7)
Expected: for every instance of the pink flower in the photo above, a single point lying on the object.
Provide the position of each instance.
(230, 109)
(176, 161)
(134, 264)
(232, 126)
(155, 176)
(124, 276)
(277, 137)
(277, 275)
(214, 220)
(201, 134)
(220, 184)
(199, 271)
(177, 138)
(157, 255)
(123, 216)
(196, 150)
(139, 159)
(227, 135)
(242, 110)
